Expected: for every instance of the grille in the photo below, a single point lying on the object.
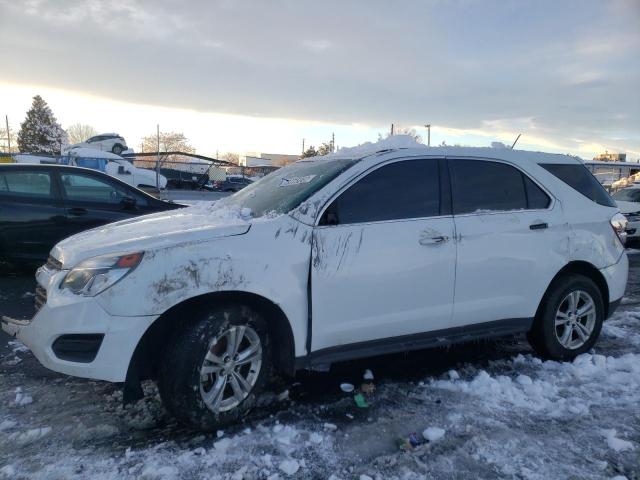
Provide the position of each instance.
(53, 264)
(41, 297)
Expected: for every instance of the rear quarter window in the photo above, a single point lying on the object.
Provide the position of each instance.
(581, 180)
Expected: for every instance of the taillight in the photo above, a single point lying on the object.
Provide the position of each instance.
(619, 224)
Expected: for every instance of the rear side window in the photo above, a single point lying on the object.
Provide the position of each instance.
(26, 184)
(536, 198)
(82, 188)
(400, 190)
(482, 186)
(580, 179)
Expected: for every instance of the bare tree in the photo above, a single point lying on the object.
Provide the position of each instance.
(169, 142)
(4, 141)
(231, 157)
(79, 132)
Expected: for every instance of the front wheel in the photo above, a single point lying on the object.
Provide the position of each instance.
(212, 373)
(570, 318)
(117, 149)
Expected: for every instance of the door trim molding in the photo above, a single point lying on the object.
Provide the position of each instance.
(417, 341)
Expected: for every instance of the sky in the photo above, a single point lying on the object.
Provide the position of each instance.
(240, 76)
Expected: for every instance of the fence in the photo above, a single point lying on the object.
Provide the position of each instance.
(189, 170)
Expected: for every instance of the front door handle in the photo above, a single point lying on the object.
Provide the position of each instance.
(433, 240)
(76, 212)
(539, 226)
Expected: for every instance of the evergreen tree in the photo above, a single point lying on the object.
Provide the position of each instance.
(40, 132)
(309, 152)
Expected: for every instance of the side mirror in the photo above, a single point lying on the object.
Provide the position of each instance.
(128, 203)
(122, 171)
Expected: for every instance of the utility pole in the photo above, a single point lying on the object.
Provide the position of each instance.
(303, 146)
(333, 142)
(392, 129)
(428, 127)
(158, 158)
(6, 119)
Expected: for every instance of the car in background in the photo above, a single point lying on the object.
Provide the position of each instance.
(181, 180)
(107, 142)
(43, 204)
(628, 200)
(106, 162)
(231, 184)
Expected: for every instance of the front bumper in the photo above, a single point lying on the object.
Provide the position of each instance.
(616, 277)
(66, 315)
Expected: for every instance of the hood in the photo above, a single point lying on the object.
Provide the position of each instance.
(628, 207)
(149, 232)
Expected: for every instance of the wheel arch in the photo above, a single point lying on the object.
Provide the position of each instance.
(581, 268)
(144, 361)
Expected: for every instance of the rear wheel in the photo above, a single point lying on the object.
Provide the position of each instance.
(212, 372)
(117, 149)
(569, 320)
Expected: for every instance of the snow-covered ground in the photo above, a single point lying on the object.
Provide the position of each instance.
(488, 410)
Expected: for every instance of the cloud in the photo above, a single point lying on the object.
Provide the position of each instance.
(570, 68)
(317, 45)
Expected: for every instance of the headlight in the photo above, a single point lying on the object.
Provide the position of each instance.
(95, 275)
(619, 224)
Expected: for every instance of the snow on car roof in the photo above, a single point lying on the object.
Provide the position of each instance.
(408, 145)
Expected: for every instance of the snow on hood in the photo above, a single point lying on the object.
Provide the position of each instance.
(158, 230)
(628, 207)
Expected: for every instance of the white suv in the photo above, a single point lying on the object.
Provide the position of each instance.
(107, 142)
(330, 259)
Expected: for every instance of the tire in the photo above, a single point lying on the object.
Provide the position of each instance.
(556, 333)
(205, 344)
(117, 149)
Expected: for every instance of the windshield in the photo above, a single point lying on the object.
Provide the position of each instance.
(283, 190)
(627, 195)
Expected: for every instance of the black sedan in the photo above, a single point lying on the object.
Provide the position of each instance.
(42, 204)
(231, 184)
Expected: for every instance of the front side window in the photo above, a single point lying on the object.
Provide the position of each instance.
(482, 186)
(578, 177)
(400, 190)
(26, 184)
(84, 188)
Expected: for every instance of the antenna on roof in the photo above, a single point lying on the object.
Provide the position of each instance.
(515, 141)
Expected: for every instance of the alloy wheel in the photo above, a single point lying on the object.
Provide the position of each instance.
(230, 368)
(575, 319)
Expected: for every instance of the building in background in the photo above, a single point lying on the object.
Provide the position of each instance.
(611, 157)
(260, 159)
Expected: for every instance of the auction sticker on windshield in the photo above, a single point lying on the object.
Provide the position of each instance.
(285, 182)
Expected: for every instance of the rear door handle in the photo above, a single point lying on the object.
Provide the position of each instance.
(433, 240)
(538, 226)
(77, 211)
